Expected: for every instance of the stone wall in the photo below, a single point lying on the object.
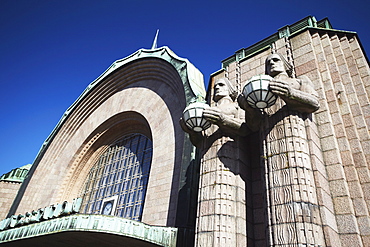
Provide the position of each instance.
(337, 136)
(337, 64)
(8, 191)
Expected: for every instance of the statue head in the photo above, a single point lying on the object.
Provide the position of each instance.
(276, 64)
(223, 88)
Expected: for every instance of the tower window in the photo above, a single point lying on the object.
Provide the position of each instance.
(118, 180)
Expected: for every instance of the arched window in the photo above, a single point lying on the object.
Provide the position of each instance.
(116, 184)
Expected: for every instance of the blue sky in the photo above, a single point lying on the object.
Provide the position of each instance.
(51, 50)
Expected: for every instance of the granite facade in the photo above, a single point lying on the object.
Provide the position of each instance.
(310, 187)
(301, 180)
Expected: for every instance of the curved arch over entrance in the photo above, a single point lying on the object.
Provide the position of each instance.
(97, 143)
(154, 88)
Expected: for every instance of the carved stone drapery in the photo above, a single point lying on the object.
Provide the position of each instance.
(221, 214)
(221, 217)
(292, 209)
(292, 205)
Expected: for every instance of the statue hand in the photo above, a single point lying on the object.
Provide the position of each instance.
(214, 115)
(253, 116)
(184, 127)
(243, 103)
(280, 88)
(195, 137)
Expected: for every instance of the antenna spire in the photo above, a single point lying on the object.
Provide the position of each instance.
(154, 46)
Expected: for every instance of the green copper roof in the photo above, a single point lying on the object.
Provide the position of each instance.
(17, 174)
(187, 71)
(191, 77)
(98, 229)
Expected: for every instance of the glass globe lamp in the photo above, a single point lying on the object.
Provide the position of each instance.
(193, 117)
(257, 92)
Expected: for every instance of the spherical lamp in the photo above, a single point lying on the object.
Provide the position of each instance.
(193, 117)
(257, 92)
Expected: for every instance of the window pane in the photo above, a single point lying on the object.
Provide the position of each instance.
(123, 170)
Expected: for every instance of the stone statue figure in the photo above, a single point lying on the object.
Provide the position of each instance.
(297, 93)
(221, 167)
(291, 201)
(224, 114)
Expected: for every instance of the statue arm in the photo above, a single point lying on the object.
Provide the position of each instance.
(253, 117)
(226, 123)
(304, 99)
